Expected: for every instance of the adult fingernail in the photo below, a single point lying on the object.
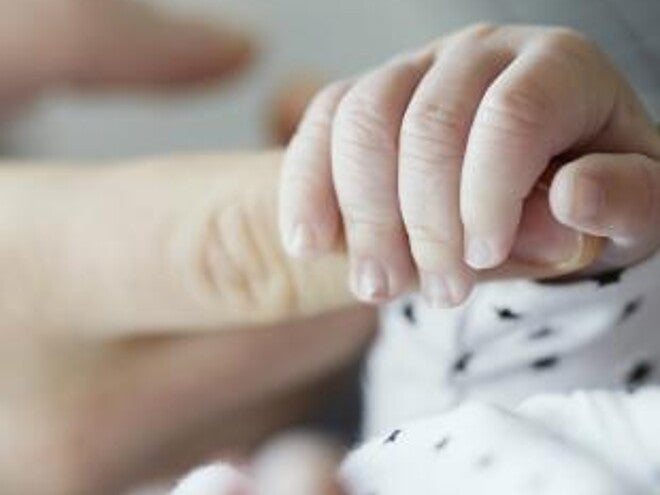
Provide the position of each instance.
(480, 253)
(369, 281)
(588, 198)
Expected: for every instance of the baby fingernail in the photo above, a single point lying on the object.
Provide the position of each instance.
(301, 240)
(479, 253)
(369, 281)
(588, 199)
(435, 289)
(445, 291)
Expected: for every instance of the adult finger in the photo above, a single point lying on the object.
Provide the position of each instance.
(233, 402)
(434, 133)
(110, 43)
(364, 161)
(153, 245)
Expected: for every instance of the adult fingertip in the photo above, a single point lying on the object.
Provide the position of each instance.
(125, 45)
(236, 48)
(199, 51)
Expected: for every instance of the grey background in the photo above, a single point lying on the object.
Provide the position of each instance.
(334, 37)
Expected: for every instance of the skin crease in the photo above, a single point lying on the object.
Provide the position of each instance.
(114, 337)
(131, 289)
(91, 389)
(407, 162)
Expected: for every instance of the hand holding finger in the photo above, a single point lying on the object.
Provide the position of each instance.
(560, 96)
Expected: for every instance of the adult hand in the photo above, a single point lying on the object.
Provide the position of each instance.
(95, 393)
(148, 319)
(105, 43)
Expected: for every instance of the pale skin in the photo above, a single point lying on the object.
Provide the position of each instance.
(150, 316)
(429, 165)
(147, 309)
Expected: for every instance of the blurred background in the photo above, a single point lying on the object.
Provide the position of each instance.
(329, 38)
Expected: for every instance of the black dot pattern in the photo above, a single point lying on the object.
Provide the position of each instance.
(441, 444)
(608, 278)
(462, 363)
(630, 309)
(545, 363)
(541, 333)
(409, 313)
(392, 437)
(507, 314)
(638, 375)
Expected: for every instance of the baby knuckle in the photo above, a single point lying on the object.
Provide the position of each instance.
(431, 251)
(435, 122)
(357, 220)
(563, 39)
(360, 125)
(479, 31)
(432, 135)
(371, 230)
(515, 109)
(425, 234)
(569, 52)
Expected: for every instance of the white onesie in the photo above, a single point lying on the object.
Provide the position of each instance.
(455, 380)
(513, 340)
(527, 388)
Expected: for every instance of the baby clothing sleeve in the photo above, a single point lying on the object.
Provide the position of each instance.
(512, 340)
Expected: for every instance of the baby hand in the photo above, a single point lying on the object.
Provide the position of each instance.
(430, 164)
